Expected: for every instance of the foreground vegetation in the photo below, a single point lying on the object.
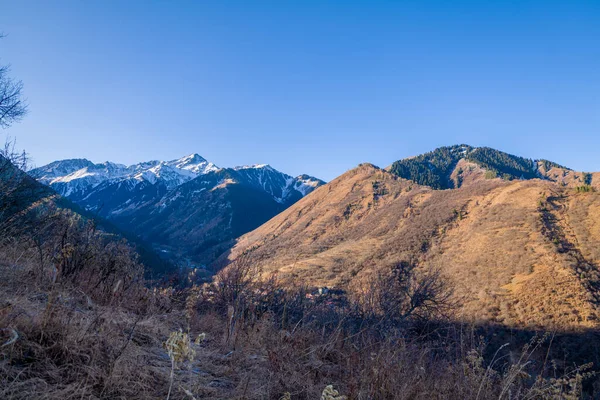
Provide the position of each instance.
(78, 320)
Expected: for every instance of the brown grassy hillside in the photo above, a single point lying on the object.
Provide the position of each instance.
(519, 253)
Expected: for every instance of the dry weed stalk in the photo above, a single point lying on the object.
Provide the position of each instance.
(329, 393)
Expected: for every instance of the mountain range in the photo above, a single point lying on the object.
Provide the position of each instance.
(517, 238)
(187, 208)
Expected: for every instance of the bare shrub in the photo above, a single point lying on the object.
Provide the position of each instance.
(235, 284)
(404, 293)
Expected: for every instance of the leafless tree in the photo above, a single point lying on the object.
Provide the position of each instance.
(15, 185)
(407, 292)
(18, 191)
(237, 281)
(12, 104)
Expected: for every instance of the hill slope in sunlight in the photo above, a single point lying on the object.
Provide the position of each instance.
(520, 252)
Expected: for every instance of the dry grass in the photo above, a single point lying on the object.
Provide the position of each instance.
(484, 236)
(276, 356)
(70, 347)
(256, 344)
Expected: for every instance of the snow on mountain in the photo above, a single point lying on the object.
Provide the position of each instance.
(283, 187)
(193, 163)
(73, 178)
(306, 184)
(169, 175)
(188, 204)
(94, 173)
(79, 178)
(56, 169)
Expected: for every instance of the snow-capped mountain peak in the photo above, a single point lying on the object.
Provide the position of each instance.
(254, 166)
(76, 177)
(194, 163)
(56, 169)
(306, 183)
(170, 175)
(193, 158)
(116, 187)
(283, 187)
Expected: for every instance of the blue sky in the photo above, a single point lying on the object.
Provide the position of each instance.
(307, 86)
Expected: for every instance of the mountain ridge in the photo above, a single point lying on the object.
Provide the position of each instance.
(142, 197)
(59, 174)
(511, 246)
(435, 168)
